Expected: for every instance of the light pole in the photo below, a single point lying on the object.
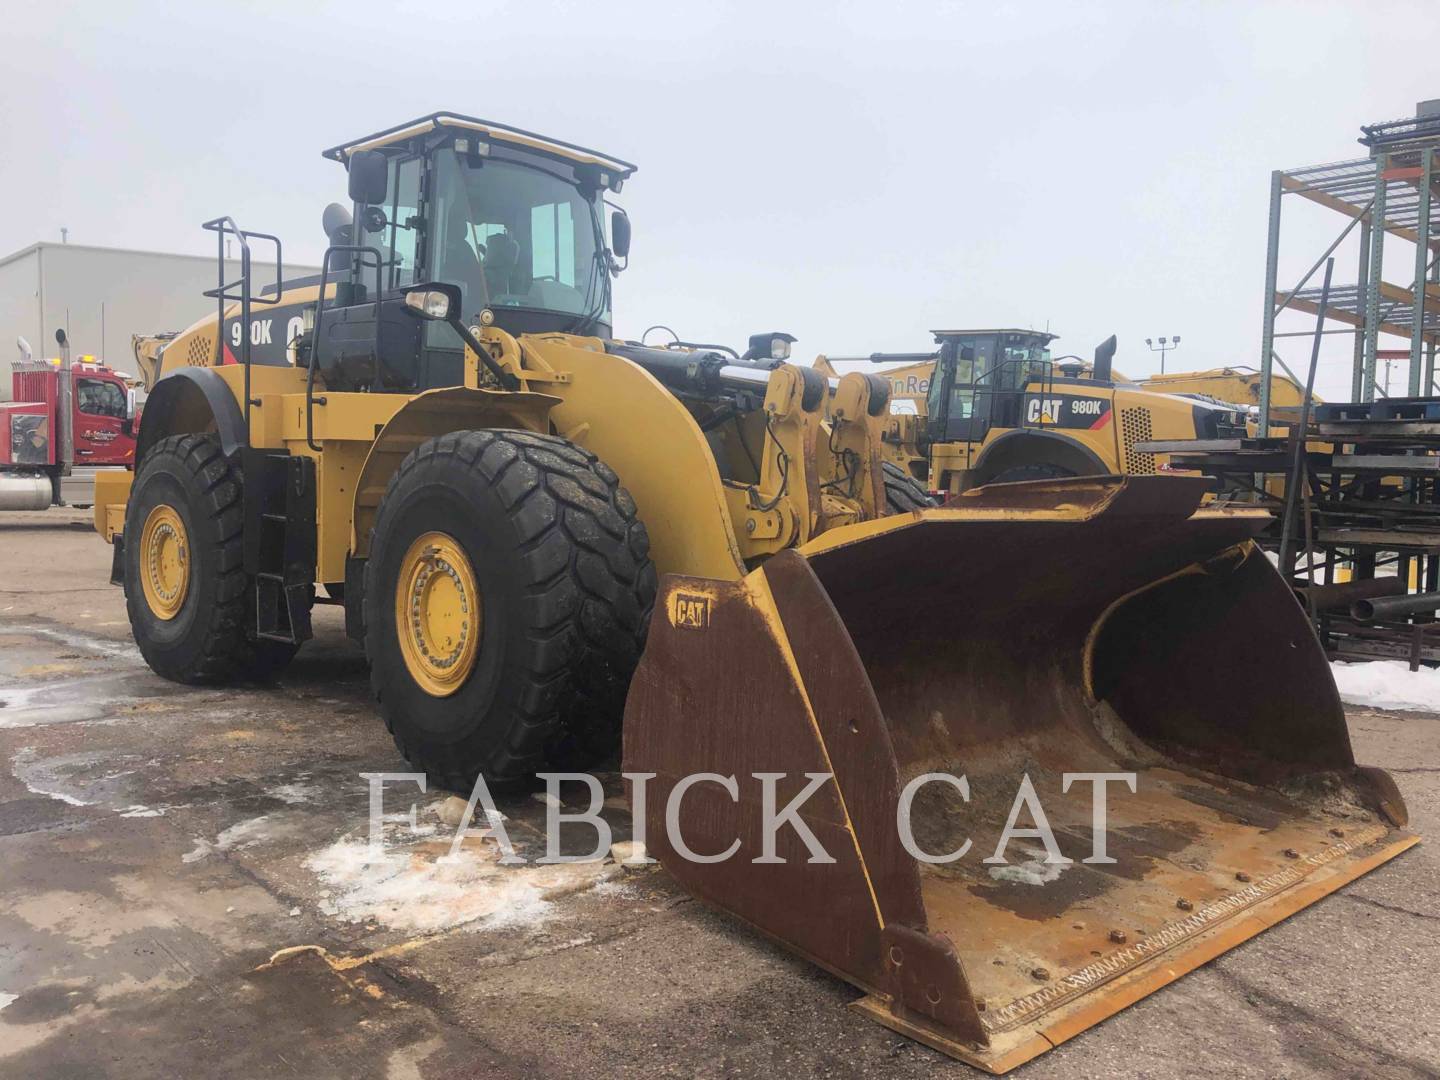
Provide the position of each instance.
(1164, 347)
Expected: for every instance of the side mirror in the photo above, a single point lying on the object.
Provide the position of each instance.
(130, 403)
(436, 300)
(620, 234)
(369, 177)
(61, 339)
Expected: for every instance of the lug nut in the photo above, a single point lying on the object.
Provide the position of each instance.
(1118, 936)
(1040, 973)
(1184, 905)
(1337, 833)
(1242, 876)
(1291, 853)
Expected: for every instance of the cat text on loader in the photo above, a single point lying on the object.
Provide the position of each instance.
(492, 487)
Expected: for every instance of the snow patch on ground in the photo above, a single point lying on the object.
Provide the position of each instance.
(238, 836)
(422, 889)
(295, 793)
(76, 639)
(1388, 684)
(37, 779)
(142, 811)
(1033, 871)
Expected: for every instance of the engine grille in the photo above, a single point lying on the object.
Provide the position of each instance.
(199, 352)
(1135, 427)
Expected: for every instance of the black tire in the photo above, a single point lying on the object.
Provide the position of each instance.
(562, 564)
(206, 641)
(1017, 473)
(903, 492)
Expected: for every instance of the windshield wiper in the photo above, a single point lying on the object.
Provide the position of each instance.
(601, 263)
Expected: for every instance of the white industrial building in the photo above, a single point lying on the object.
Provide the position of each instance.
(101, 296)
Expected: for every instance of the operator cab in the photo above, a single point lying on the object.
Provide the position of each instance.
(513, 219)
(980, 379)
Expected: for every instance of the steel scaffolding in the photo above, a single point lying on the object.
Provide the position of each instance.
(1387, 193)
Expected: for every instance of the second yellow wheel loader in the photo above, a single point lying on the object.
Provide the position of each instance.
(442, 435)
(993, 407)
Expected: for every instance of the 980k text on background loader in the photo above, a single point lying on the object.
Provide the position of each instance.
(454, 448)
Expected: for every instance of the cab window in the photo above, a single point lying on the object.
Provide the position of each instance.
(552, 243)
(972, 361)
(392, 228)
(99, 397)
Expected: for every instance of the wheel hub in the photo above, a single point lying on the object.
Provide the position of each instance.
(438, 613)
(164, 562)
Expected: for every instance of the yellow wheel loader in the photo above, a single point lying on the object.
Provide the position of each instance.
(995, 408)
(501, 494)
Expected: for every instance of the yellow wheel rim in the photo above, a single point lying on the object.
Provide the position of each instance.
(438, 614)
(164, 562)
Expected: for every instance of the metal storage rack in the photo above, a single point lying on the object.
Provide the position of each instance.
(1362, 495)
(1388, 194)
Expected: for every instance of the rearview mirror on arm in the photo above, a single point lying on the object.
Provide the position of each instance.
(369, 177)
(620, 234)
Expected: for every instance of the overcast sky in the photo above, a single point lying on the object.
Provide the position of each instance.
(855, 174)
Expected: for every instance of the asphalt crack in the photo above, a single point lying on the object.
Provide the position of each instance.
(1323, 1042)
(1388, 907)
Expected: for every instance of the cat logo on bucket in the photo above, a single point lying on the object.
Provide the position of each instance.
(689, 611)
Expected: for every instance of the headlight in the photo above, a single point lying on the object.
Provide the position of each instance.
(431, 303)
(779, 349)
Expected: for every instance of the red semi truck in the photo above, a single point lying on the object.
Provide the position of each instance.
(66, 420)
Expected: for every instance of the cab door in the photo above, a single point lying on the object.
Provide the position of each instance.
(960, 402)
(99, 417)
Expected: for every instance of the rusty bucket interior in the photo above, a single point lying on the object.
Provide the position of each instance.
(1098, 626)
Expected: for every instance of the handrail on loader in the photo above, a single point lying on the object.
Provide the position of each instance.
(224, 226)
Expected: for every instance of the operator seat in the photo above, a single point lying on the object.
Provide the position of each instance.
(502, 259)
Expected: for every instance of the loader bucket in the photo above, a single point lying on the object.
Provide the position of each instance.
(1095, 625)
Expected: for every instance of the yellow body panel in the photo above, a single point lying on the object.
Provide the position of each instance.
(621, 413)
(112, 490)
(1130, 415)
(194, 346)
(1240, 387)
(909, 383)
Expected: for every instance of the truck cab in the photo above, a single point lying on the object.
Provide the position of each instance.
(66, 419)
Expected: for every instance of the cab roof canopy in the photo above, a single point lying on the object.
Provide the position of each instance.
(942, 335)
(492, 131)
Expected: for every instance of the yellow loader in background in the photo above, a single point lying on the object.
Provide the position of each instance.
(537, 530)
(1237, 385)
(993, 407)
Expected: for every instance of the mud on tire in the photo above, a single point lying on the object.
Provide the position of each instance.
(561, 562)
(206, 641)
